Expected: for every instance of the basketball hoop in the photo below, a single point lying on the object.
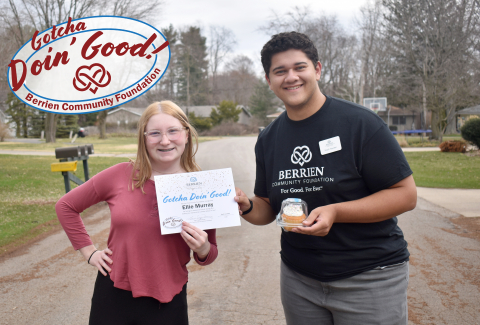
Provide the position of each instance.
(375, 107)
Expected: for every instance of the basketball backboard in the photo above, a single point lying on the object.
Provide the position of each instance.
(376, 104)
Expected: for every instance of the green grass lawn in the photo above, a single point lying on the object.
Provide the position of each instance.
(418, 141)
(111, 145)
(444, 169)
(29, 191)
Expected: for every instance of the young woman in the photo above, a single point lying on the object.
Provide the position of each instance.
(142, 274)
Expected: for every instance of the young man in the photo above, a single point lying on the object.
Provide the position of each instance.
(349, 263)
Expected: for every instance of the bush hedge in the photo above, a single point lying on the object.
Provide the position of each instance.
(471, 131)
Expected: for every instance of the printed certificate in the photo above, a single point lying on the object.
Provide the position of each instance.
(204, 199)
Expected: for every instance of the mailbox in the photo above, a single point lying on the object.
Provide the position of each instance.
(83, 150)
(69, 152)
(90, 149)
(69, 157)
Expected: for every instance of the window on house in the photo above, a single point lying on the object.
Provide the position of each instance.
(399, 120)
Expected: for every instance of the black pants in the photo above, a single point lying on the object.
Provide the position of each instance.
(115, 306)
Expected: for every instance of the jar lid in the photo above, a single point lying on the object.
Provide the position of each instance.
(293, 211)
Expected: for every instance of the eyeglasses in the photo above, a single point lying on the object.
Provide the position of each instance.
(156, 136)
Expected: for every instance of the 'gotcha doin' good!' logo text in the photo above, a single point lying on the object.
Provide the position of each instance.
(88, 64)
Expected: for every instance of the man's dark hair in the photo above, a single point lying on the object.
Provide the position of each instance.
(285, 41)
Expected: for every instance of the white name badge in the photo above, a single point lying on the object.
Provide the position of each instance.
(330, 145)
(204, 199)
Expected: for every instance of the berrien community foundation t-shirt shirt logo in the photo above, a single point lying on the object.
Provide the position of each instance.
(88, 64)
(301, 155)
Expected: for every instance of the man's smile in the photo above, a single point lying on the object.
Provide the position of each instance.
(293, 87)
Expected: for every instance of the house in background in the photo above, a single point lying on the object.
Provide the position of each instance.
(244, 117)
(399, 119)
(4, 118)
(465, 114)
(277, 113)
(128, 117)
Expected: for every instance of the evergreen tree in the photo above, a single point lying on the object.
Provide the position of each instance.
(168, 83)
(200, 123)
(262, 101)
(37, 123)
(225, 111)
(65, 124)
(192, 63)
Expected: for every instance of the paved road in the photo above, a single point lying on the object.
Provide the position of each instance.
(49, 283)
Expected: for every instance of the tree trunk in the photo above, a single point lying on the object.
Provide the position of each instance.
(436, 131)
(102, 121)
(451, 127)
(25, 121)
(424, 102)
(50, 127)
(18, 129)
(362, 86)
(188, 80)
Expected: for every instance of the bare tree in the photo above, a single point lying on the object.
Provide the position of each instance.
(369, 29)
(436, 42)
(297, 19)
(220, 44)
(238, 81)
(142, 10)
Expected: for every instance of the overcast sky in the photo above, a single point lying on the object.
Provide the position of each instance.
(244, 17)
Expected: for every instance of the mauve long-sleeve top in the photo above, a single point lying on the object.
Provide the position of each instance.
(145, 262)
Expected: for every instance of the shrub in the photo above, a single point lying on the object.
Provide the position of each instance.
(224, 112)
(453, 146)
(471, 131)
(200, 123)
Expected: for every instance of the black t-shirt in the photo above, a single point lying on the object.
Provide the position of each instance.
(290, 165)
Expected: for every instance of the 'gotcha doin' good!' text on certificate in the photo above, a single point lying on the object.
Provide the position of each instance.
(204, 199)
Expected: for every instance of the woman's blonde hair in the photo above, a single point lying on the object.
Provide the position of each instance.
(142, 169)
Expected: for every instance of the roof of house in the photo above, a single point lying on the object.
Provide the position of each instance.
(475, 110)
(274, 115)
(246, 110)
(200, 111)
(133, 110)
(395, 111)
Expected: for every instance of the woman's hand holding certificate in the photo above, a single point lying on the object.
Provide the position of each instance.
(196, 239)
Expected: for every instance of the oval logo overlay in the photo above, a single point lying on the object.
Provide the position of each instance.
(172, 222)
(88, 64)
